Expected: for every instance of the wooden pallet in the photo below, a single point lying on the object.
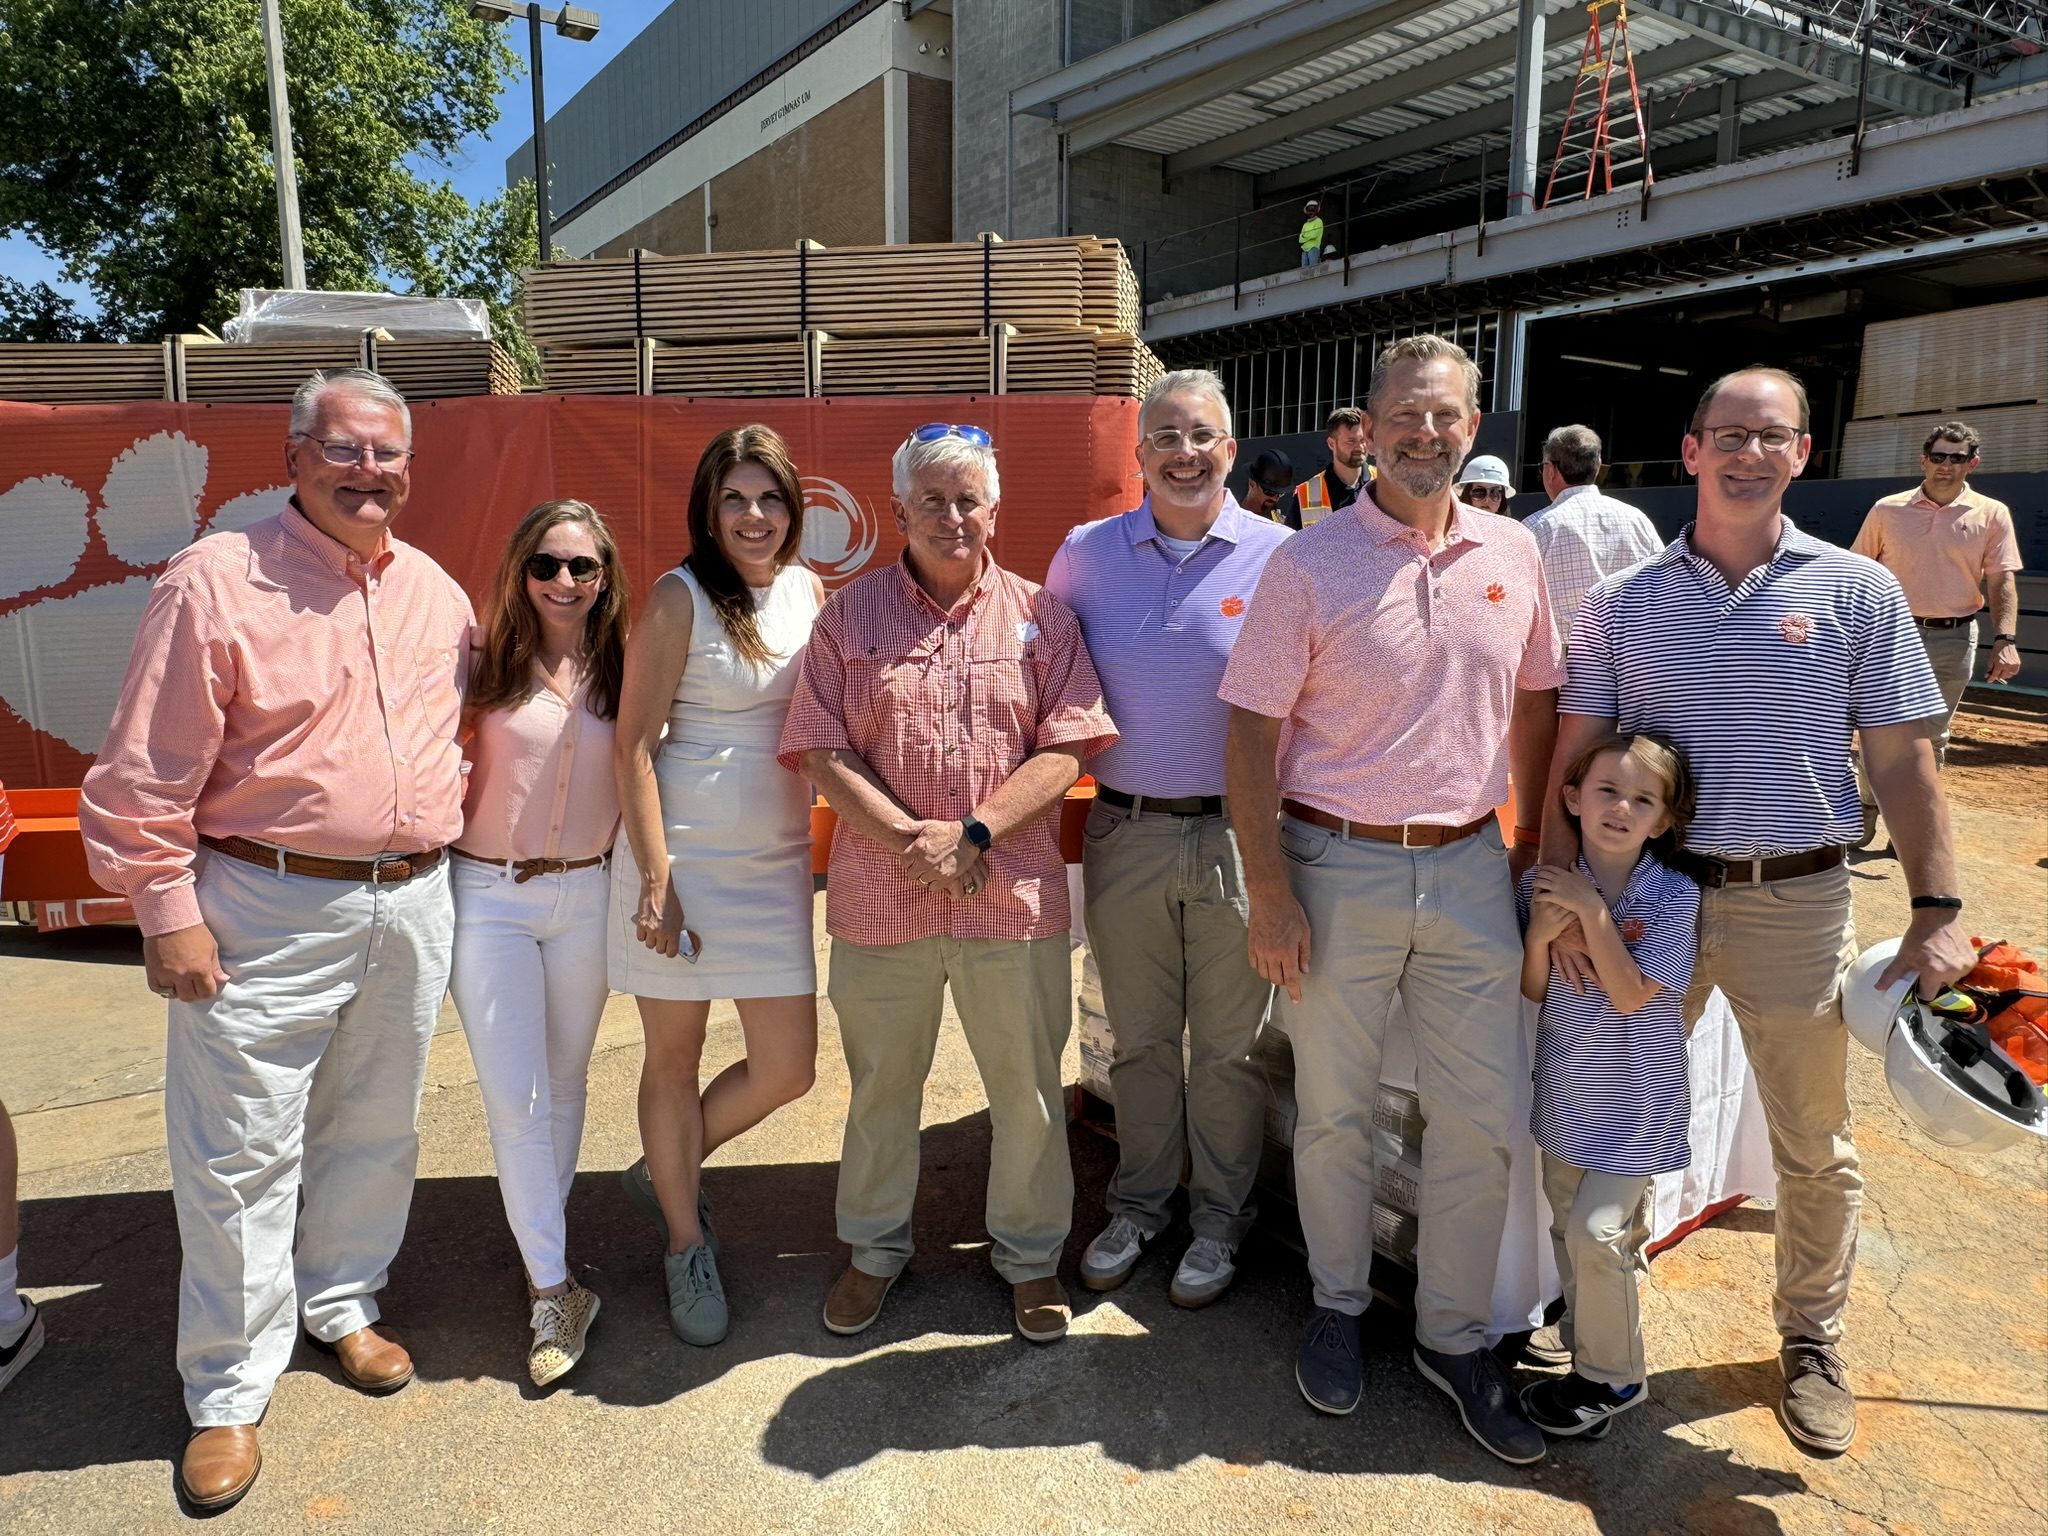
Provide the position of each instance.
(84, 373)
(431, 370)
(759, 368)
(1957, 361)
(219, 372)
(1124, 365)
(903, 365)
(1051, 363)
(2015, 440)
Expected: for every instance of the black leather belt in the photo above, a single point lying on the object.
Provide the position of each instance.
(1186, 805)
(1944, 623)
(1714, 873)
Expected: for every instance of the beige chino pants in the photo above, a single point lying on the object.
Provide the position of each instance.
(1596, 1234)
(1016, 1005)
(1778, 952)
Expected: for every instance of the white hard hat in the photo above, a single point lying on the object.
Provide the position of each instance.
(1486, 470)
(1312, 206)
(1945, 1073)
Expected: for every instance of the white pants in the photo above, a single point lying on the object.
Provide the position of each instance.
(529, 982)
(303, 1074)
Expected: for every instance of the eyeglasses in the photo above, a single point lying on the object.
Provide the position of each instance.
(1169, 439)
(1735, 439)
(1934, 457)
(932, 431)
(337, 450)
(583, 569)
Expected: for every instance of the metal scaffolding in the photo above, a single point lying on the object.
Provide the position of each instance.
(1954, 42)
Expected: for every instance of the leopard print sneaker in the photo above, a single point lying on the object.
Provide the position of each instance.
(560, 1325)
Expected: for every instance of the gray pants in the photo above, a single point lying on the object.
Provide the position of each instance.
(1439, 925)
(1597, 1234)
(1953, 655)
(1166, 912)
(302, 1076)
(1016, 1004)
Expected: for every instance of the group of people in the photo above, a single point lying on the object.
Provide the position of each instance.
(331, 796)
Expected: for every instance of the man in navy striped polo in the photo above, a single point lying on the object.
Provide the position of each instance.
(1161, 592)
(1760, 649)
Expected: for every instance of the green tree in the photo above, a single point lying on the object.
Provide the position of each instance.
(135, 148)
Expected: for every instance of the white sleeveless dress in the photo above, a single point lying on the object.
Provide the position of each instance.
(738, 823)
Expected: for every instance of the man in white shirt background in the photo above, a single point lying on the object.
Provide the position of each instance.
(1585, 536)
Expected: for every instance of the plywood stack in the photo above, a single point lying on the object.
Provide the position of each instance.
(219, 373)
(589, 371)
(431, 370)
(1988, 365)
(903, 319)
(73, 373)
(1124, 365)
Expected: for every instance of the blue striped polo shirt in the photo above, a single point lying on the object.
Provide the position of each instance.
(1159, 628)
(1611, 1089)
(1762, 686)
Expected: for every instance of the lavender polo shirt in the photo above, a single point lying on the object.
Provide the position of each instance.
(1160, 629)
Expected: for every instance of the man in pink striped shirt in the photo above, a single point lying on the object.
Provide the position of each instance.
(274, 796)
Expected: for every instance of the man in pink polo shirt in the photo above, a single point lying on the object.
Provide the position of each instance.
(274, 796)
(1395, 659)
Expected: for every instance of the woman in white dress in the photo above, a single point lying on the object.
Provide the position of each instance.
(711, 886)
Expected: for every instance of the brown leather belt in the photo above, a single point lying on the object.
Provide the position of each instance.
(1415, 834)
(524, 870)
(1714, 873)
(391, 869)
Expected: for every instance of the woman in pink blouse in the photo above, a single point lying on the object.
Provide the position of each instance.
(531, 884)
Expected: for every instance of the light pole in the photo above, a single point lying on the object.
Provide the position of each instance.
(281, 150)
(572, 22)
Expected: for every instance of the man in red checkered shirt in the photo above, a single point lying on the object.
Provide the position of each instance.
(944, 709)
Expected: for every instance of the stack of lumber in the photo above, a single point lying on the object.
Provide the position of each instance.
(432, 370)
(1988, 365)
(901, 319)
(82, 373)
(1124, 365)
(270, 371)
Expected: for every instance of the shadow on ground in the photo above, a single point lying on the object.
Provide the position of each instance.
(1154, 1386)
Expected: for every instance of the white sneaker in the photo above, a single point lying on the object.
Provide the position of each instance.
(1205, 1273)
(27, 1339)
(560, 1326)
(1109, 1260)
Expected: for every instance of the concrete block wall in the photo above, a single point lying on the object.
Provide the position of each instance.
(1120, 192)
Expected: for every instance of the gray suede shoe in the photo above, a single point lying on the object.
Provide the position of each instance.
(1818, 1410)
(696, 1300)
(639, 1185)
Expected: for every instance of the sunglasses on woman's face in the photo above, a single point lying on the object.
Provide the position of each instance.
(1486, 493)
(583, 569)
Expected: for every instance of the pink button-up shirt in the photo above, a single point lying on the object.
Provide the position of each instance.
(1395, 667)
(1941, 555)
(280, 689)
(944, 707)
(540, 779)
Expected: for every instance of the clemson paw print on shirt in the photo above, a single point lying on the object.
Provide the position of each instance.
(1496, 593)
(78, 570)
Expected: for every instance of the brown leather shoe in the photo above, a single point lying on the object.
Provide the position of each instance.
(219, 1465)
(856, 1300)
(371, 1359)
(1042, 1309)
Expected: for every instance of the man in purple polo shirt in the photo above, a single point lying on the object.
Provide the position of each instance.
(1160, 592)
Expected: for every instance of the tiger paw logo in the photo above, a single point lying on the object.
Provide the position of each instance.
(840, 533)
(78, 570)
(1796, 628)
(1631, 930)
(1232, 606)
(1496, 593)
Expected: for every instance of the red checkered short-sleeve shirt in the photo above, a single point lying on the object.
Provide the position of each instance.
(944, 707)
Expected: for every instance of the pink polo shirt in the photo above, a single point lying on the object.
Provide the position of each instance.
(1395, 668)
(1941, 555)
(540, 779)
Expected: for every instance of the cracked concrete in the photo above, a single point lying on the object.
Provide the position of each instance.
(1146, 1418)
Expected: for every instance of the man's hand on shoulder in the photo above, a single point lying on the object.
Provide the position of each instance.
(184, 963)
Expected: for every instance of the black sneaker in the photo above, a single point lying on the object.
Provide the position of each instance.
(1475, 1382)
(1328, 1370)
(25, 1345)
(1573, 1405)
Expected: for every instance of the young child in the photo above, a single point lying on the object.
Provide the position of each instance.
(1612, 1101)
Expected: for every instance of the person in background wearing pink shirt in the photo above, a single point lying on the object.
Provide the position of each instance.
(1948, 545)
(274, 797)
(531, 887)
(1395, 659)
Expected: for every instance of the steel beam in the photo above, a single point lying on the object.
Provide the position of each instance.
(1525, 120)
(2001, 137)
(1819, 59)
(1690, 53)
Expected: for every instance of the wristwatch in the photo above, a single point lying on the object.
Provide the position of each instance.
(2005, 639)
(977, 832)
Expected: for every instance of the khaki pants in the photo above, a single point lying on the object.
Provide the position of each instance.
(1016, 1006)
(1778, 952)
(1166, 922)
(1439, 925)
(1594, 1231)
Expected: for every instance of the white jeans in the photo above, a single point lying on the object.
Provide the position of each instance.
(529, 983)
(302, 1075)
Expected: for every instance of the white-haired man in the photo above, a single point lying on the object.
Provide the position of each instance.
(274, 797)
(1161, 592)
(1585, 536)
(944, 708)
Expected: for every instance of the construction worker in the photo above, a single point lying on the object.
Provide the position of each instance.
(1312, 233)
(1338, 484)
(1269, 489)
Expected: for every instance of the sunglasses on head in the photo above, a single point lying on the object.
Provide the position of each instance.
(932, 431)
(583, 569)
(1934, 457)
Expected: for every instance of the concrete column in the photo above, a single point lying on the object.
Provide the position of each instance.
(1528, 109)
(895, 157)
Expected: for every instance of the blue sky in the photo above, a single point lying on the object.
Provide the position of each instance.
(479, 170)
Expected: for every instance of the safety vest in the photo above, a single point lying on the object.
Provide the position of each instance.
(1312, 235)
(1313, 496)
